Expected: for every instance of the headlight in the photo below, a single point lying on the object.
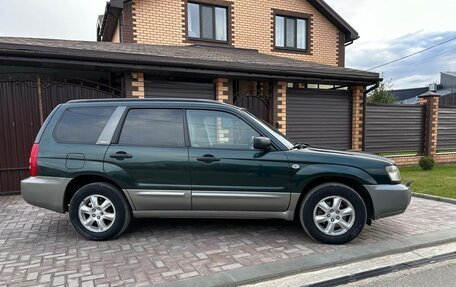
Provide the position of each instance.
(393, 173)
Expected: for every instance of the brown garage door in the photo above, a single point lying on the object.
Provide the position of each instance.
(179, 89)
(321, 118)
(20, 120)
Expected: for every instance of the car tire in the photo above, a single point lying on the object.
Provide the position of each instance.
(99, 211)
(333, 213)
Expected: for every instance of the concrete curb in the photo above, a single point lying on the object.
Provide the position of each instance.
(434, 197)
(252, 274)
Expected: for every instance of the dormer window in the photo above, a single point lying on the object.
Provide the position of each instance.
(207, 22)
(291, 33)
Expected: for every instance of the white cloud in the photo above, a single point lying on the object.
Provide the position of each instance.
(61, 19)
(390, 29)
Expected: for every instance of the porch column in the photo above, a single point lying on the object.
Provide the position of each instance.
(137, 85)
(281, 106)
(357, 117)
(222, 94)
(431, 100)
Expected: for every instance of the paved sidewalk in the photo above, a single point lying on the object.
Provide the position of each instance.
(41, 247)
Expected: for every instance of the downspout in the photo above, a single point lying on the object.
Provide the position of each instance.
(365, 109)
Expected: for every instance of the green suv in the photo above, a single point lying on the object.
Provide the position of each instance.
(106, 161)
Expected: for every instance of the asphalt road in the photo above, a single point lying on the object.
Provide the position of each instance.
(441, 274)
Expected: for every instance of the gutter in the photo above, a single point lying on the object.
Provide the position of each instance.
(365, 110)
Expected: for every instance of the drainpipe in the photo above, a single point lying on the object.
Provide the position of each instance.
(365, 109)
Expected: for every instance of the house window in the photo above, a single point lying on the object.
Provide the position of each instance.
(207, 22)
(291, 33)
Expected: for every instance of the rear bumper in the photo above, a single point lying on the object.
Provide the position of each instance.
(46, 192)
(389, 199)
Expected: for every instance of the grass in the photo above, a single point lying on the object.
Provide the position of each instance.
(440, 181)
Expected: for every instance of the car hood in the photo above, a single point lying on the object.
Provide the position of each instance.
(370, 163)
(361, 155)
(365, 161)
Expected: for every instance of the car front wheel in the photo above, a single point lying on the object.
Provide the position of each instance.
(99, 211)
(333, 213)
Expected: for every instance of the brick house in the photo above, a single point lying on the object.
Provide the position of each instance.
(282, 60)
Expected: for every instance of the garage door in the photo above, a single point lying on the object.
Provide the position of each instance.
(179, 89)
(321, 118)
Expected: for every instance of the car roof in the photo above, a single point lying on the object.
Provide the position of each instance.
(136, 102)
(143, 100)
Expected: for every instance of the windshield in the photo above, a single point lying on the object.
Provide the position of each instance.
(278, 135)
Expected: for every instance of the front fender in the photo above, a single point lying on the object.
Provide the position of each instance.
(310, 172)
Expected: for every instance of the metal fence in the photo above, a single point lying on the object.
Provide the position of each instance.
(395, 128)
(446, 133)
(23, 107)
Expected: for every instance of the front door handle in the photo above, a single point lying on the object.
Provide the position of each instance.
(121, 155)
(207, 158)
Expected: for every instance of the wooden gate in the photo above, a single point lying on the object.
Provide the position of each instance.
(24, 105)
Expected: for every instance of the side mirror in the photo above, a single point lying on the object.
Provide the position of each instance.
(261, 143)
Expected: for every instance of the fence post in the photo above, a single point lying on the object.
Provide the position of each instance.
(357, 117)
(431, 101)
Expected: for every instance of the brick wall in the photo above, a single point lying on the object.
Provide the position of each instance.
(445, 158)
(159, 22)
(222, 90)
(137, 85)
(405, 160)
(127, 24)
(282, 106)
(163, 23)
(357, 117)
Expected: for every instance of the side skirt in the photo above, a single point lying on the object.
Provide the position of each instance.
(285, 215)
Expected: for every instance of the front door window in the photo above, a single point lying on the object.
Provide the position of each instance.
(219, 130)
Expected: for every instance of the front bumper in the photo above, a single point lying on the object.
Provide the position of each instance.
(44, 191)
(389, 199)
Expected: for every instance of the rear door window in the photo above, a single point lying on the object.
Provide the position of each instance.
(153, 127)
(82, 125)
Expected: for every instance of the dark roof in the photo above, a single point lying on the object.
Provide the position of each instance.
(108, 22)
(143, 56)
(405, 94)
(336, 19)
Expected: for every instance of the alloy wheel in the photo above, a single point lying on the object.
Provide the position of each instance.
(97, 213)
(334, 215)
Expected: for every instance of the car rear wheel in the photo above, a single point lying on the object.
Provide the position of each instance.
(333, 213)
(99, 211)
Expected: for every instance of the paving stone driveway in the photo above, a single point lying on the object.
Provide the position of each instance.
(40, 247)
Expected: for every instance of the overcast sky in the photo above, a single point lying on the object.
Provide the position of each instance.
(389, 29)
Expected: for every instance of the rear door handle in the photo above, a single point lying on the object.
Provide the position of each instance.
(207, 158)
(121, 155)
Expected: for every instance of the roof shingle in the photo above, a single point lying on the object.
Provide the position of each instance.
(225, 58)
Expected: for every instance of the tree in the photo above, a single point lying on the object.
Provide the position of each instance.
(382, 94)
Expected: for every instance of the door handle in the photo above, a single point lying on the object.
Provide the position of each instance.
(207, 158)
(121, 155)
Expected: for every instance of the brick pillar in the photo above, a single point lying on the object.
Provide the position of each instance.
(431, 101)
(357, 117)
(137, 85)
(222, 90)
(281, 106)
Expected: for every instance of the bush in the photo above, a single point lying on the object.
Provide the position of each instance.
(427, 163)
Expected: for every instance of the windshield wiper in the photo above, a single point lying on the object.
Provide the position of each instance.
(300, 146)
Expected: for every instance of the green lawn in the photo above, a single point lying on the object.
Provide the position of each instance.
(440, 181)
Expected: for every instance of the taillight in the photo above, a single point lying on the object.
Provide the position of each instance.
(33, 160)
